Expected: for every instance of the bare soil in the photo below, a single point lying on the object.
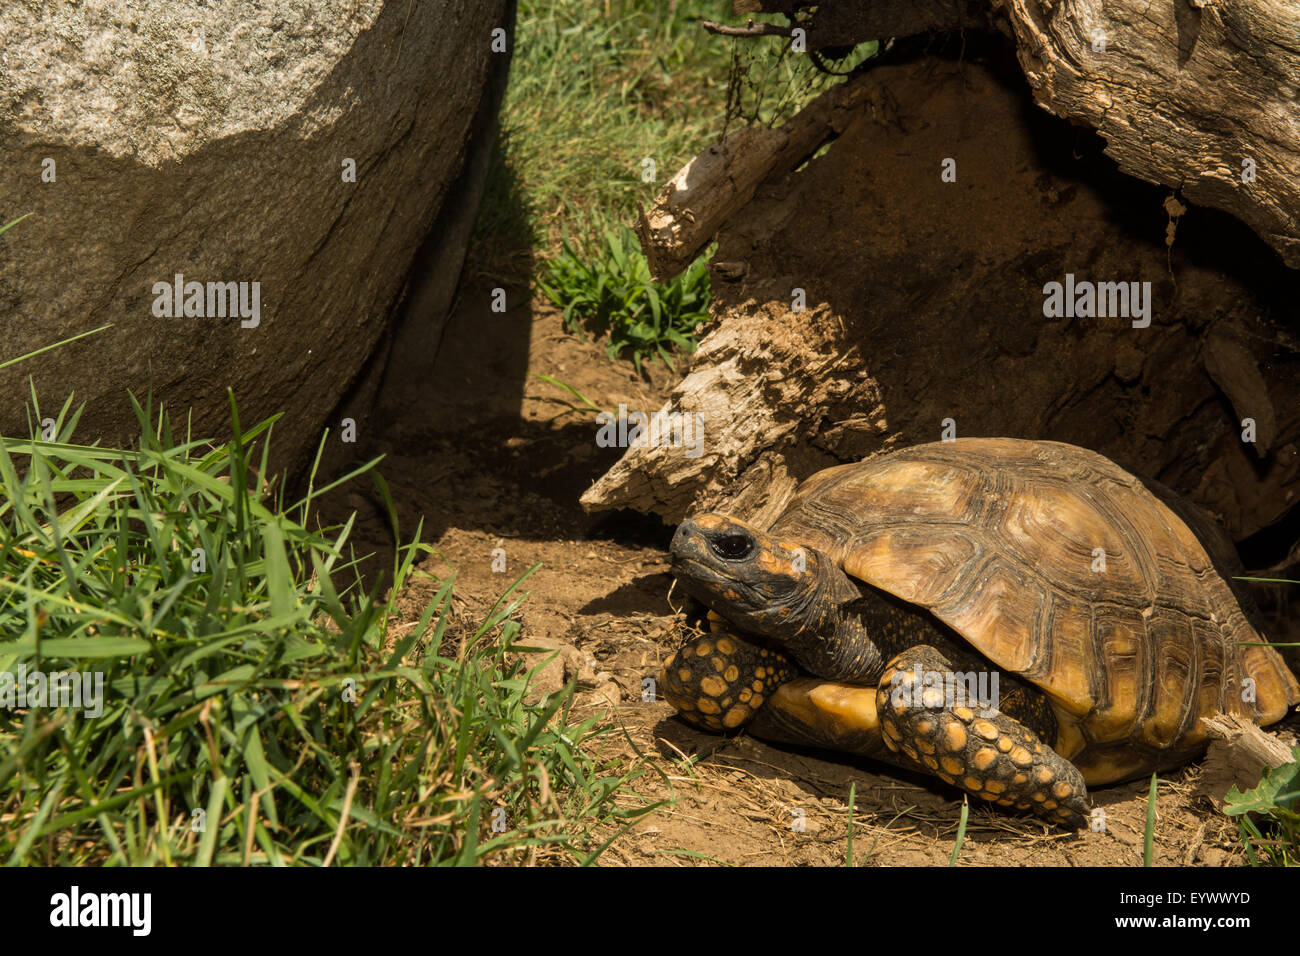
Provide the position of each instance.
(488, 458)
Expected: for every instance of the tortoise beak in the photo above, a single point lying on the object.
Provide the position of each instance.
(689, 551)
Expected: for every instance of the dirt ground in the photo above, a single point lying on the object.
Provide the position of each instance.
(507, 475)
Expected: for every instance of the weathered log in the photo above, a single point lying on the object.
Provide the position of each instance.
(719, 181)
(1237, 755)
(925, 302)
(1198, 95)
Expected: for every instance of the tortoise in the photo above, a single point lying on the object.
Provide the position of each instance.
(1022, 619)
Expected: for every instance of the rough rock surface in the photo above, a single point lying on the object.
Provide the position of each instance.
(209, 139)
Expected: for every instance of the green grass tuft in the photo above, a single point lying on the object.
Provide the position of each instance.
(605, 103)
(611, 292)
(256, 709)
(961, 831)
(1149, 829)
(594, 89)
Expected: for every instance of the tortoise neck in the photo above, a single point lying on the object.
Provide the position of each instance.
(875, 626)
(822, 634)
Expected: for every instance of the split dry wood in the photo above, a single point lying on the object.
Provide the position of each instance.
(1238, 753)
(722, 179)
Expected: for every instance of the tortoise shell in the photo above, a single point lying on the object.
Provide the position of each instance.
(1059, 566)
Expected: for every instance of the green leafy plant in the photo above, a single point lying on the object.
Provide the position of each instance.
(256, 706)
(1268, 815)
(1275, 800)
(611, 292)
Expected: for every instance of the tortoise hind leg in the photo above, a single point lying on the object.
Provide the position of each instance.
(985, 751)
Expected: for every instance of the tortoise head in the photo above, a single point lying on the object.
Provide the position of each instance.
(760, 584)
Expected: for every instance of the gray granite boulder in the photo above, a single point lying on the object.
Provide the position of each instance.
(277, 164)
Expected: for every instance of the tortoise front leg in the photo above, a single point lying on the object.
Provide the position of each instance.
(717, 682)
(722, 681)
(986, 752)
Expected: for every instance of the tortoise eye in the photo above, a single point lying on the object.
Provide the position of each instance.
(733, 547)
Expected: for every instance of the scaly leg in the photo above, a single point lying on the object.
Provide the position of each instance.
(988, 753)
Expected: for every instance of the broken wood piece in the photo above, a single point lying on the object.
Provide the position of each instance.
(1238, 753)
(702, 196)
(708, 190)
